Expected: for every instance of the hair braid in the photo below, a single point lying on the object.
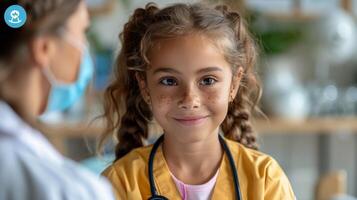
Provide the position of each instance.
(126, 111)
(237, 124)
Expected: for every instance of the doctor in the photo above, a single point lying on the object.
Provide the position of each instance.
(44, 66)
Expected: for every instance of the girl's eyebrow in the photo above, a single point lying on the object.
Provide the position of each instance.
(166, 69)
(209, 69)
(203, 70)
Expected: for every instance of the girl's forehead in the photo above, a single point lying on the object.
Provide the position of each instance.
(192, 51)
(182, 41)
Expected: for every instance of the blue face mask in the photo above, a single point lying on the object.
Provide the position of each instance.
(63, 95)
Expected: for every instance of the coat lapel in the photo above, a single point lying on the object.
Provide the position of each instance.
(163, 180)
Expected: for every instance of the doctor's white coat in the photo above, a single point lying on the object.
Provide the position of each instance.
(30, 168)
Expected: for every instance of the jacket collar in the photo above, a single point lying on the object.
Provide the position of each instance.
(224, 186)
(10, 122)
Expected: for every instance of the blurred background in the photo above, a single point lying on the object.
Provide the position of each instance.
(308, 65)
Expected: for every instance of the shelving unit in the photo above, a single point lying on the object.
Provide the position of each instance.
(265, 127)
(326, 125)
(59, 133)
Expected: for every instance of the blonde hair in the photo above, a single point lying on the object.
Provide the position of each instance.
(127, 114)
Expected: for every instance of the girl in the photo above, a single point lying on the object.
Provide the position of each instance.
(44, 66)
(191, 68)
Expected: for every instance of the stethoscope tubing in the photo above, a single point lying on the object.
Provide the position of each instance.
(154, 193)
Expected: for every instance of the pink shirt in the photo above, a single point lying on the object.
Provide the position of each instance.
(195, 192)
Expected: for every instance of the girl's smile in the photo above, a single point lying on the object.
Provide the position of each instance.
(191, 120)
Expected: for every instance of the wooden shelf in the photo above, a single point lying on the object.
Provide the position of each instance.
(263, 127)
(308, 126)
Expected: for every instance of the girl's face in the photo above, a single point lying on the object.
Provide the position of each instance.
(189, 85)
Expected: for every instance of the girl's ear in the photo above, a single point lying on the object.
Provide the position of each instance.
(143, 87)
(237, 77)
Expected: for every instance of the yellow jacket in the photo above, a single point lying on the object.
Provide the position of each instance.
(260, 176)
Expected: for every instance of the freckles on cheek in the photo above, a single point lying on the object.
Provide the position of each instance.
(217, 98)
(213, 98)
(217, 102)
(163, 101)
(161, 106)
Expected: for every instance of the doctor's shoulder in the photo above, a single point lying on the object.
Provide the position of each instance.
(8, 160)
(21, 176)
(11, 181)
(24, 175)
(260, 167)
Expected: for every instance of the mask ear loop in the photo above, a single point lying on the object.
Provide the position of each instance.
(51, 78)
(82, 47)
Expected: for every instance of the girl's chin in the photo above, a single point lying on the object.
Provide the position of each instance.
(189, 136)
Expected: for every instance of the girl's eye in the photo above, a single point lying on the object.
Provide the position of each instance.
(168, 81)
(208, 81)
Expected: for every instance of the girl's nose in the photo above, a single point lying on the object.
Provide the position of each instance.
(189, 99)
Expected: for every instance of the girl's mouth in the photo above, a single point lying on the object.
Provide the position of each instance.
(191, 121)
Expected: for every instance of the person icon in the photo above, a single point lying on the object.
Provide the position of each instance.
(15, 17)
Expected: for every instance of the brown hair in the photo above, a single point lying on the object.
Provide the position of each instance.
(43, 17)
(127, 114)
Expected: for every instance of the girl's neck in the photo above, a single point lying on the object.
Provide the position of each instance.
(193, 163)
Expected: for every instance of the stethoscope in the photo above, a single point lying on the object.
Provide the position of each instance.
(154, 193)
